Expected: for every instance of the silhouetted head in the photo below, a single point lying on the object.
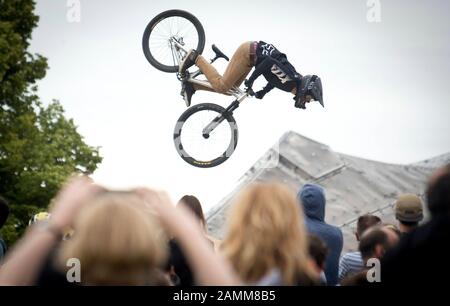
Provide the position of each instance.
(312, 197)
(364, 223)
(438, 192)
(193, 204)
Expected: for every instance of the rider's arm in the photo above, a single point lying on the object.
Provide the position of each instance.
(260, 94)
(260, 69)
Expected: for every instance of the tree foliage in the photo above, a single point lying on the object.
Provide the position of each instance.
(39, 147)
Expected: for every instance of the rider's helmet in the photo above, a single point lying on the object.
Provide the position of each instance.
(42, 216)
(311, 85)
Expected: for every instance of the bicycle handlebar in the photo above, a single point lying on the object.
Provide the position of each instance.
(250, 91)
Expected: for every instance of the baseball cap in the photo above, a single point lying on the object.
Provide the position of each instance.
(408, 208)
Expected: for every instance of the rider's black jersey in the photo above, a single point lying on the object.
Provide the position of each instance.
(275, 68)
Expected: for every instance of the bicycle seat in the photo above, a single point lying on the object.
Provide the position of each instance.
(219, 54)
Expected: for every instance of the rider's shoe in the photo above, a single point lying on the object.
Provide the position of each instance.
(187, 90)
(188, 61)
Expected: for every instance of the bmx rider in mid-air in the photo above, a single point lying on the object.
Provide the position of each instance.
(267, 60)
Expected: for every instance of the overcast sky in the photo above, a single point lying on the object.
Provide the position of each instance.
(386, 84)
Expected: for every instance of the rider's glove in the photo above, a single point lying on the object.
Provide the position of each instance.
(260, 94)
(248, 88)
(300, 102)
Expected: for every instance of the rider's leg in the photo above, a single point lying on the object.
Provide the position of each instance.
(237, 84)
(200, 87)
(242, 78)
(235, 73)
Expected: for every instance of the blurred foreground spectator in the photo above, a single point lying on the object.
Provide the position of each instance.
(421, 256)
(193, 204)
(178, 267)
(266, 240)
(119, 239)
(374, 243)
(117, 242)
(318, 251)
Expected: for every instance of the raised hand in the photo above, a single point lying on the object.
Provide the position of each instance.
(72, 197)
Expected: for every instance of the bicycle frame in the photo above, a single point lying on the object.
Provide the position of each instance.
(238, 93)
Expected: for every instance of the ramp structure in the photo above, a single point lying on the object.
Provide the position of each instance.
(354, 186)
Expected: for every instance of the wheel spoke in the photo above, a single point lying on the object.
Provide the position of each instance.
(159, 48)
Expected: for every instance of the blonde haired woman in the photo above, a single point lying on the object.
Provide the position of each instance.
(117, 239)
(266, 241)
(118, 242)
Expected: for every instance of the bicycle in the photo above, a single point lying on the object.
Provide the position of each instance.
(165, 42)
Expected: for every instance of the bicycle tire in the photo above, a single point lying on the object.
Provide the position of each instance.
(178, 130)
(157, 19)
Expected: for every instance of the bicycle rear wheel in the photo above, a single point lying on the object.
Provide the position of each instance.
(197, 150)
(172, 24)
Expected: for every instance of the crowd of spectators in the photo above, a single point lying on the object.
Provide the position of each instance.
(274, 236)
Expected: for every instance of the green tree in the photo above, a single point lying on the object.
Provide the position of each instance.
(39, 147)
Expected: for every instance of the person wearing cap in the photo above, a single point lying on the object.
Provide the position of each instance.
(421, 257)
(408, 212)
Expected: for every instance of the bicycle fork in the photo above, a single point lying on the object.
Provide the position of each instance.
(219, 119)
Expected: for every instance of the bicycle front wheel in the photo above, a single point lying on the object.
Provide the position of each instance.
(191, 143)
(173, 24)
